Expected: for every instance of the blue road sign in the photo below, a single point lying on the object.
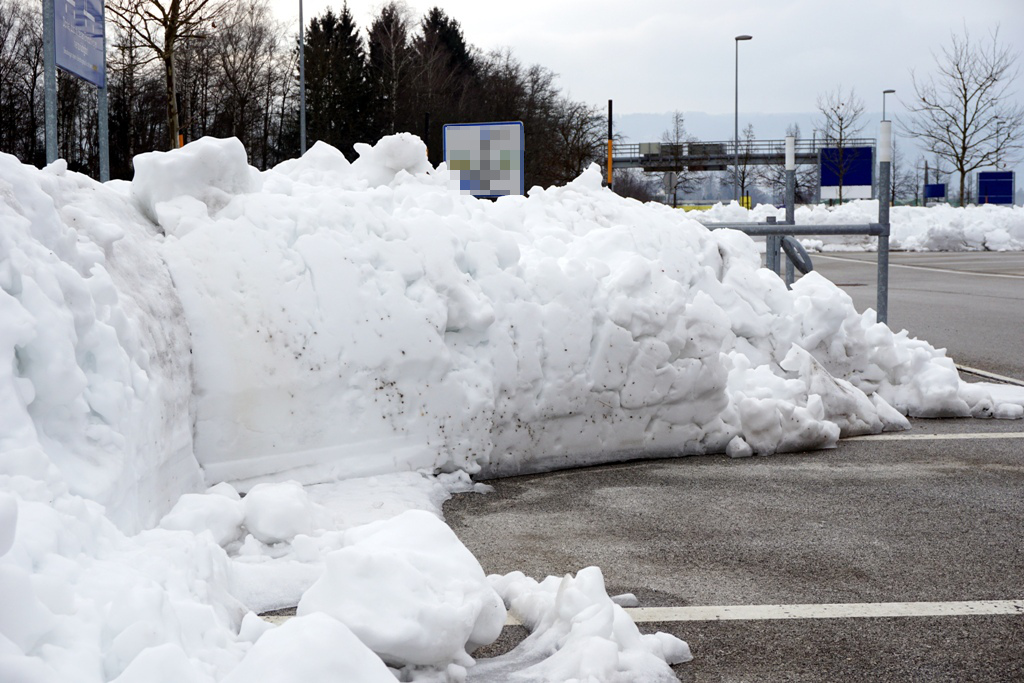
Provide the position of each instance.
(855, 166)
(935, 191)
(78, 31)
(995, 187)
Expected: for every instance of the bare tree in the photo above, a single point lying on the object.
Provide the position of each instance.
(391, 63)
(634, 184)
(160, 25)
(21, 70)
(773, 176)
(903, 180)
(579, 129)
(674, 142)
(743, 176)
(246, 51)
(965, 113)
(840, 122)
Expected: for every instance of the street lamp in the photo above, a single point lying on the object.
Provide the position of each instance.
(736, 132)
(302, 86)
(884, 93)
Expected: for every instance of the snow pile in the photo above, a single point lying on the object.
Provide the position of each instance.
(325, 321)
(501, 337)
(410, 590)
(943, 227)
(95, 376)
(577, 633)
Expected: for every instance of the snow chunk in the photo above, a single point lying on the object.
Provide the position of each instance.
(315, 647)
(394, 155)
(209, 172)
(411, 591)
(278, 512)
(577, 634)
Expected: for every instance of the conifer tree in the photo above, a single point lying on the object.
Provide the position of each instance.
(338, 92)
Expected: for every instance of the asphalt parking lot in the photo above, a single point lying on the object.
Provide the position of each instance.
(969, 303)
(900, 520)
(934, 515)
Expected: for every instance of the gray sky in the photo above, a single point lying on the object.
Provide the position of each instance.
(660, 55)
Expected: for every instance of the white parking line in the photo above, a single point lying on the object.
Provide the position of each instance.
(833, 611)
(989, 375)
(1014, 276)
(873, 610)
(935, 437)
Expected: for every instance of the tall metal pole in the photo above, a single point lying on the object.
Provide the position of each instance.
(50, 80)
(610, 177)
(790, 179)
(889, 91)
(302, 84)
(736, 122)
(884, 160)
(102, 131)
(999, 125)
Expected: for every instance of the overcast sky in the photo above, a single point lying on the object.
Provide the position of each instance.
(656, 56)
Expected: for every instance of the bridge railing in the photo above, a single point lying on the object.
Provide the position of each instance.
(638, 151)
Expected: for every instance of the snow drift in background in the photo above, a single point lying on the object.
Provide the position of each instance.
(936, 228)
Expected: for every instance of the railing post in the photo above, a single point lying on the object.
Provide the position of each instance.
(884, 161)
(772, 249)
(790, 179)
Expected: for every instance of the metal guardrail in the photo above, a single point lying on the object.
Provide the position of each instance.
(717, 155)
(775, 232)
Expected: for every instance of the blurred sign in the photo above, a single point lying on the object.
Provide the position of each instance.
(935, 191)
(854, 166)
(78, 33)
(486, 159)
(996, 187)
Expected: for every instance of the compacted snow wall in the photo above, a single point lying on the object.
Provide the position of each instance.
(360, 318)
(329, 319)
(95, 368)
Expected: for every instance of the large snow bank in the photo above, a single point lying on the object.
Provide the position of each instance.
(943, 227)
(325, 321)
(525, 334)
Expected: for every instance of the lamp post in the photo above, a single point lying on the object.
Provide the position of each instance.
(890, 191)
(999, 125)
(302, 86)
(884, 93)
(736, 131)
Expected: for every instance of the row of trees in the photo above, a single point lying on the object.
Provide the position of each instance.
(191, 68)
(964, 117)
(226, 68)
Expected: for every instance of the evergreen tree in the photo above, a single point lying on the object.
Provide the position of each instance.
(338, 92)
(446, 76)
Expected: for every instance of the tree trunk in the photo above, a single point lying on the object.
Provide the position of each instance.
(172, 99)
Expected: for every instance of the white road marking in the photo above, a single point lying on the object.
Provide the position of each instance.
(833, 611)
(935, 437)
(873, 610)
(989, 375)
(874, 264)
(854, 610)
